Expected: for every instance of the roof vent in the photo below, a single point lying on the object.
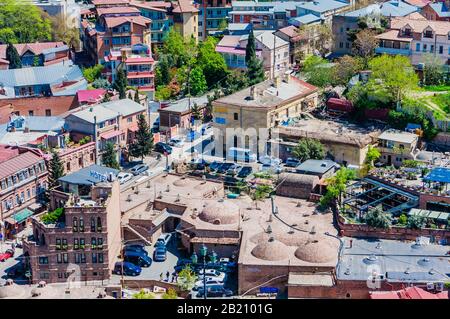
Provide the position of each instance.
(323, 165)
(424, 261)
(407, 271)
(371, 259)
(269, 229)
(271, 239)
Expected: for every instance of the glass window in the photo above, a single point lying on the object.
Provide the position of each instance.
(59, 258)
(43, 260)
(99, 224)
(92, 224)
(83, 258)
(93, 243)
(100, 258)
(75, 225)
(81, 224)
(100, 243)
(76, 243)
(82, 243)
(94, 258)
(65, 258)
(417, 46)
(58, 243)
(64, 243)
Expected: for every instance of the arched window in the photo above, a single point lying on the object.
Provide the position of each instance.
(75, 224)
(81, 224)
(92, 224)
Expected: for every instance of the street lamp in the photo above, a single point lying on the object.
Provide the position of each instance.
(203, 252)
(213, 257)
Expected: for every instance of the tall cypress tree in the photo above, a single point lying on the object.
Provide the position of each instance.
(143, 143)
(250, 50)
(136, 96)
(55, 170)
(109, 157)
(13, 57)
(120, 84)
(255, 71)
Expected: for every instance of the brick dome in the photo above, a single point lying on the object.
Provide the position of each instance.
(317, 250)
(271, 249)
(220, 212)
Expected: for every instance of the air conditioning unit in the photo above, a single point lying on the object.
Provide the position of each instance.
(430, 286)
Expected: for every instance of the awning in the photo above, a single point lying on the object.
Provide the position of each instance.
(20, 216)
(111, 134)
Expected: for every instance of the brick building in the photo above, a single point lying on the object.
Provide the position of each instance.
(84, 243)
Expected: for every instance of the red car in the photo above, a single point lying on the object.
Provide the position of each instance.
(6, 255)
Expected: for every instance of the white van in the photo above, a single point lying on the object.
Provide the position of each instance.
(241, 154)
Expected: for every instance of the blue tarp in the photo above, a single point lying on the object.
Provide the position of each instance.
(439, 174)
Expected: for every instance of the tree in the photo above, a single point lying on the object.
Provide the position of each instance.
(197, 81)
(23, 22)
(143, 142)
(109, 157)
(142, 294)
(308, 148)
(320, 37)
(235, 81)
(336, 185)
(223, 25)
(186, 278)
(346, 67)
(433, 73)
(101, 84)
(255, 71)
(106, 98)
(250, 49)
(13, 57)
(393, 73)
(415, 222)
(175, 46)
(372, 155)
(162, 76)
(62, 32)
(196, 112)
(170, 294)
(317, 71)
(55, 170)
(130, 96)
(365, 44)
(377, 218)
(213, 64)
(137, 98)
(120, 84)
(93, 73)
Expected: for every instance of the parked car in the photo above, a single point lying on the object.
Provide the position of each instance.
(139, 169)
(6, 255)
(292, 162)
(160, 254)
(124, 177)
(215, 291)
(234, 169)
(135, 248)
(209, 283)
(162, 148)
(129, 269)
(223, 168)
(228, 263)
(164, 238)
(214, 166)
(269, 160)
(176, 141)
(213, 274)
(271, 168)
(137, 258)
(244, 172)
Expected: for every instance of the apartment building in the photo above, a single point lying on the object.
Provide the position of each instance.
(111, 122)
(271, 49)
(437, 11)
(415, 37)
(23, 180)
(345, 22)
(299, 44)
(211, 14)
(396, 146)
(116, 27)
(262, 106)
(185, 18)
(83, 244)
(159, 13)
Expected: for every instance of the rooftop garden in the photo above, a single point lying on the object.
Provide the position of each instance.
(53, 216)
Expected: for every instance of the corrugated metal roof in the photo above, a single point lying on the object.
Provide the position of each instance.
(124, 107)
(83, 176)
(99, 111)
(18, 163)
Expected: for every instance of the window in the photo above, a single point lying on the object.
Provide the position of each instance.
(64, 244)
(235, 116)
(28, 193)
(100, 258)
(341, 45)
(83, 258)
(81, 225)
(106, 41)
(129, 119)
(93, 243)
(30, 113)
(347, 45)
(342, 30)
(94, 258)
(68, 166)
(59, 258)
(44, 275)
(82, 243)
(58, 243)
(424, 48)
(441, 49)
(65, 258)
(92, 224)
(76, 243)
(432, 48)
(417, 46)
(75, 225)
(428, 34)
(43, 260)
(99, 224)
(48, 112)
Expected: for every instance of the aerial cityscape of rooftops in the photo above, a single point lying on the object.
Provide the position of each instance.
(219, 149)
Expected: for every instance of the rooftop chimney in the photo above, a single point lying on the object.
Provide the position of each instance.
(253, 93)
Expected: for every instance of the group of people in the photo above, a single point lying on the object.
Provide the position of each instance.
(174, 276)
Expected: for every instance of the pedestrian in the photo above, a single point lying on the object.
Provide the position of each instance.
(167, 275)
(174, 275)
(161, 277)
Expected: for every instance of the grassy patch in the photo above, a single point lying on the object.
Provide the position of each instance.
(437, 88)
(443, 101)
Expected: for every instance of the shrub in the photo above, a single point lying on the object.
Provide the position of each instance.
(378, 219)
(170, 294)
(53, 216)
(85, 140)
(403, 219)
(143, 295)
(415, 222)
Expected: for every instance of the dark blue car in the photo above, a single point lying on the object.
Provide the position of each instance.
(137, 258)
(160, 254)
(129, 269)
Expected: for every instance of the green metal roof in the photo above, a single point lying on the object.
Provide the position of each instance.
(22, 215)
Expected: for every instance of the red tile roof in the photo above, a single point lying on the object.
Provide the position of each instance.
(409, 293)
(185, 6)
(89, 95)
(36, 48)
(17, 163)
(292, 32)
(118, 9)
(115, 21)
(109, 2)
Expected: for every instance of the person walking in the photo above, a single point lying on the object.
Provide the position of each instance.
(161, 277)
(167, 276)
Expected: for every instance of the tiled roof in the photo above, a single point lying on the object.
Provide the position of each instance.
(440, 27)
(17, 163)
(113, 10)
(185, 6)
(418, 3)
(7, 152)
(89, 95)
(441, 9)
(36, 48)
(109, 2)
(115, 21)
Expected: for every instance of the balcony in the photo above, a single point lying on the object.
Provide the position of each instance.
(393, 51)
(140, 74)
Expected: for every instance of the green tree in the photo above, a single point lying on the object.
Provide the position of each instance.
(395, 74)
(346, 67)
(235, 81)
(175, 46)
(308, 148)
(62, 32)
(93, 73)
(255, 71)
(13, 57)
(23, 22)
(318, 71)
(213, 64)
(101, 84)
(130, 96)
(106, 98)
(137, 98)
(433, 72)
(109, 157)
(372, 155)
(223, 25)
(120, 84)
(336, 186)
(250, 49)
(170, 294)
(196, 112)
(416, 222)
(162, 75)
(55, 170)
(403, 219)
(377, 218)
(186, 278)
(143, 143)
(142, 294)
(365, 44)
(197, 81)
